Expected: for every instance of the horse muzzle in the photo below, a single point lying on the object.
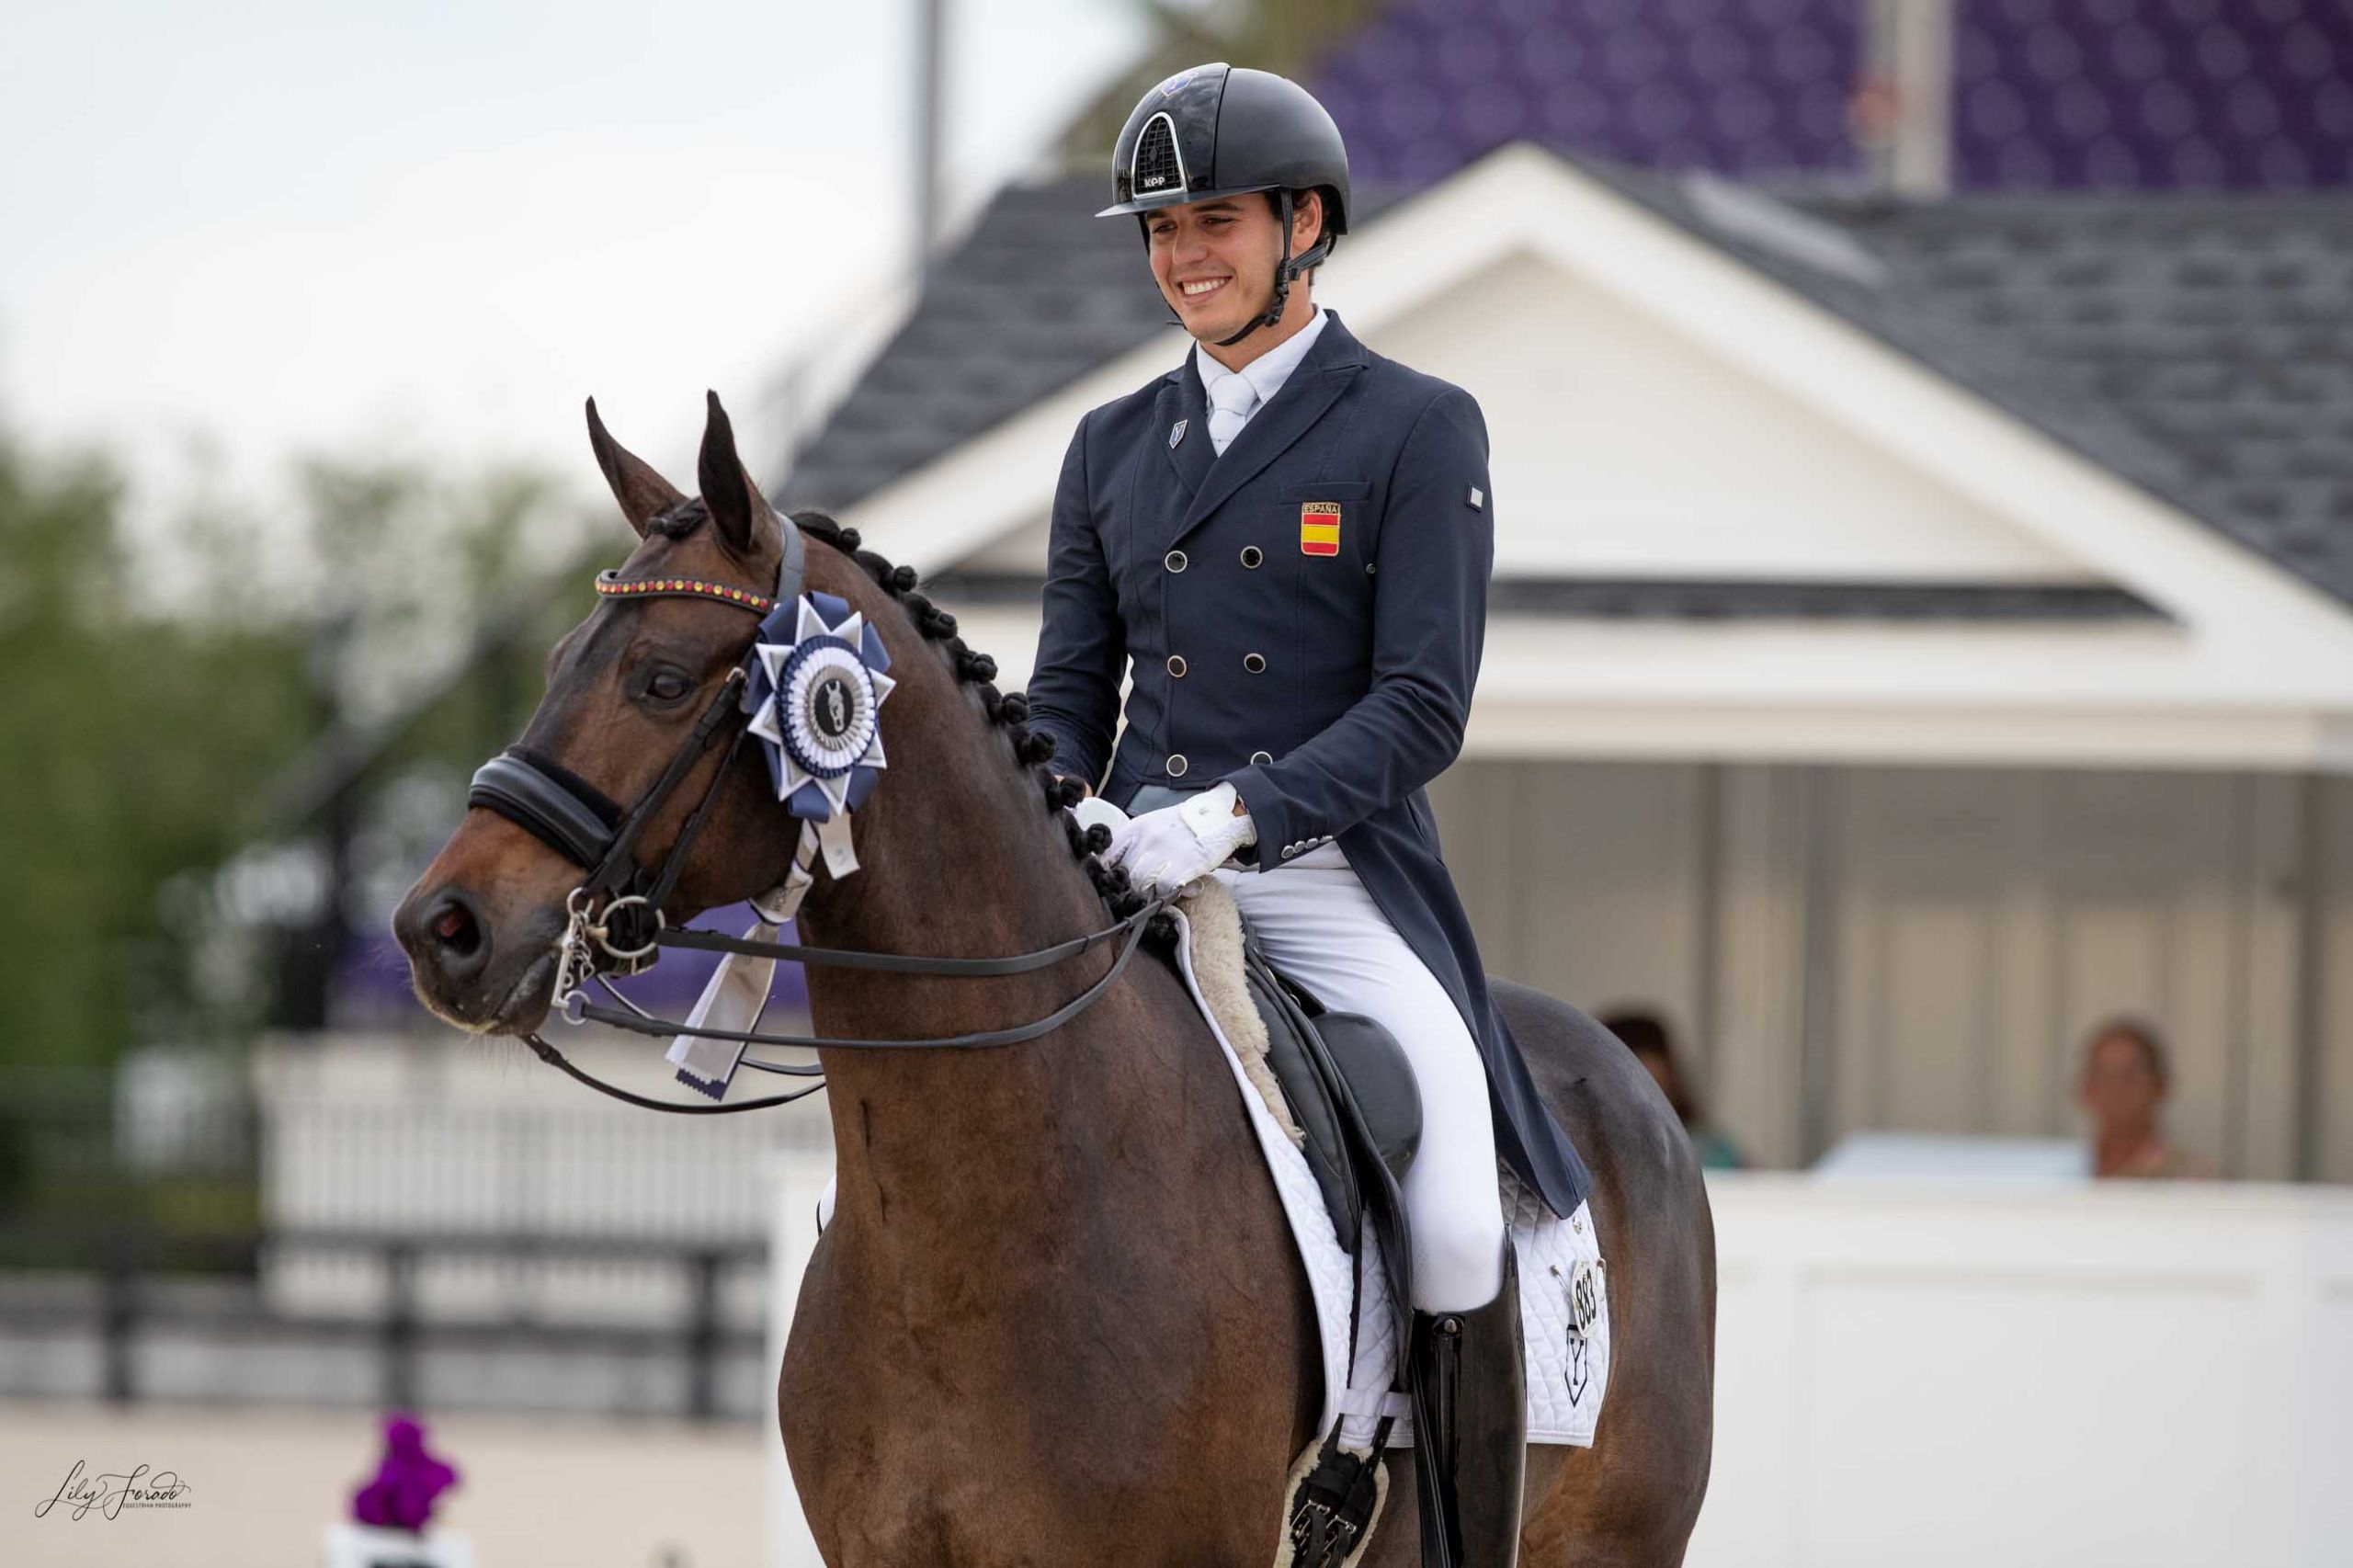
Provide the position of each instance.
(482, 963)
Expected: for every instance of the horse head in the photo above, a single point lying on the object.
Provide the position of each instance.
(657, 672)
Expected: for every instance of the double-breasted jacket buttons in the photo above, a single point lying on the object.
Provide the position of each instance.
(1252, 555)
(1254, 663)
(1174, 560)
(1177, 664)
(1259, 758)
(1177, 765)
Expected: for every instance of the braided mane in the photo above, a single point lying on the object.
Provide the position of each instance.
(1009, 711)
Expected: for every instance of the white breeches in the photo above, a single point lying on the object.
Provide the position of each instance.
(1317, 923)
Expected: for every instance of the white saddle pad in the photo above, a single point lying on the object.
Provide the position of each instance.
(1568, 1369)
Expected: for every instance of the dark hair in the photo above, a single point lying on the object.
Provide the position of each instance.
(2141, 1032)
(1323, 216)
(1645, 1034)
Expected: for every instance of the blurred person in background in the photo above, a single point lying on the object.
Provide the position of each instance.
(1646, 1035)
(2124, 1088)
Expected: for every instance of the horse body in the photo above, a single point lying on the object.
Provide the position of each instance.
(1058, 1316)
(1056, 1276)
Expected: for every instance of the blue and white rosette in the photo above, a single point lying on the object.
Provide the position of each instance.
(814, 699)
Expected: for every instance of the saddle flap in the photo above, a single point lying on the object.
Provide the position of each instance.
(1376, 1074)
(1310, 1098)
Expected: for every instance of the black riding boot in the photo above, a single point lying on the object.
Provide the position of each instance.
(1469, 1377)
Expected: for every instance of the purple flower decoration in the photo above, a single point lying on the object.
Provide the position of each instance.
(407, 1483)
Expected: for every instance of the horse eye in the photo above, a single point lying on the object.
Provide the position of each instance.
(666, 687)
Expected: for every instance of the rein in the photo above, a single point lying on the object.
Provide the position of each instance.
(628, 932)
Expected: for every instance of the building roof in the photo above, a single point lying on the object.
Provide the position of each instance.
(2200, 347)
(1688, 598)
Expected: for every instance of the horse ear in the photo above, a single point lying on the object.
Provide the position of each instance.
(643, 494)
(735, 503)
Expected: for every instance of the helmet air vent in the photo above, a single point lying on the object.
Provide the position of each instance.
(1157, 168)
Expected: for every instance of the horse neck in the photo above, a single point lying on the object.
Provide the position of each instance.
(967, 863)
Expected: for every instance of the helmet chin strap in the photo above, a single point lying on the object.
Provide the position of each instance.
(1289, 268)
(1286, 270)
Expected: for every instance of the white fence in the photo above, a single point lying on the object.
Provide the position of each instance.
(1923, 1374)
(2115, 1374)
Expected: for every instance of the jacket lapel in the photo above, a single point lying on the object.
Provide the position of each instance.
(1311, 389)
(1182, 400)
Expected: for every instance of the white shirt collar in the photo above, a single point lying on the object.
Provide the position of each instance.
(1270, 371)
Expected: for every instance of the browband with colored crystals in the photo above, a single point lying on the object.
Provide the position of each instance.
(613, 584)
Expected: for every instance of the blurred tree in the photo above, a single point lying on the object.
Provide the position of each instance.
(128, 745)
(139, 745)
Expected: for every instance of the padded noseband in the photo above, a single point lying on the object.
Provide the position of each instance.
(549, 801)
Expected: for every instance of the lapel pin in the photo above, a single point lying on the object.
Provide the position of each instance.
(1319, 527)
(1478, 499)
(1177, 433)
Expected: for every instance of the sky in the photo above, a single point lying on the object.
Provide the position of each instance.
(259, 230)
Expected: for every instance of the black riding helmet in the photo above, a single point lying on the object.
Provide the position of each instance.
(1218, 131)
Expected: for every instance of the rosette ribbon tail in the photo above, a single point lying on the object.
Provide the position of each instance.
(736, 995)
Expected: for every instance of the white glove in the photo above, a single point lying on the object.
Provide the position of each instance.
(1164, 849)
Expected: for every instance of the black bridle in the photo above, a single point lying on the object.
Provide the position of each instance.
(615, 919)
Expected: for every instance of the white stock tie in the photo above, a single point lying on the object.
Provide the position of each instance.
(1231, 401)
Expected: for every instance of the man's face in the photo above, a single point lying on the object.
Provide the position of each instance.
(1215, 260)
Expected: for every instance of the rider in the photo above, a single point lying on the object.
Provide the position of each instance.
(1289, 536)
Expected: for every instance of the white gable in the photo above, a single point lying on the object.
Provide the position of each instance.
(1623, 447)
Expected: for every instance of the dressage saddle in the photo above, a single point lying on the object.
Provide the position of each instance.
(1351, 1090)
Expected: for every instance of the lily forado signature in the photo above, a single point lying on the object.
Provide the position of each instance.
(110, 1492)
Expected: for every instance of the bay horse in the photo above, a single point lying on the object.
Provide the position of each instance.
(1057, 1316)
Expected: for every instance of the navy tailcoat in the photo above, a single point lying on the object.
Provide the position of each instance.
(1305, 614)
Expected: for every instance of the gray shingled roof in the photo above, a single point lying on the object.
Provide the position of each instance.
(2200, 346)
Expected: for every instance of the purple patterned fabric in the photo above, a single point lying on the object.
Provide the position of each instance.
(2246, 95)
(2047, 93)
(1740, 86)
(407, 1482)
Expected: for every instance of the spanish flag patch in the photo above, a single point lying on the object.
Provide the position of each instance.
(1319, 527)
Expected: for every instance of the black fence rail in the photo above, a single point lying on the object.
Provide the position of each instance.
(131, 1289)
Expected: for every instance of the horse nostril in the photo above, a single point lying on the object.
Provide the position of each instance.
(455, 929)
(443, 933)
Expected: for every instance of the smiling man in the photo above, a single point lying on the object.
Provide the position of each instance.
(1290, 538)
